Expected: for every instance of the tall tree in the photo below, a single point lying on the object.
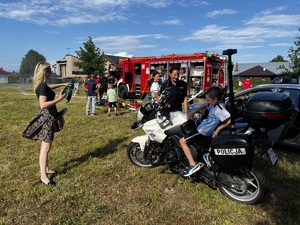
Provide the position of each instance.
(278, 58)
(92, 61)
(29, 62)
(294, 56)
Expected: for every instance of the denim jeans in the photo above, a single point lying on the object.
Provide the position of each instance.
(91, 99)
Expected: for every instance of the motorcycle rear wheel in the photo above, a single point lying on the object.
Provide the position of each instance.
(136, 156)
(249, 187)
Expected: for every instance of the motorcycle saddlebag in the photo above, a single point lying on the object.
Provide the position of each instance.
(268, 110)
(233, 151)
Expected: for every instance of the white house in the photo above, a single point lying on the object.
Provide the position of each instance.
(3, 76)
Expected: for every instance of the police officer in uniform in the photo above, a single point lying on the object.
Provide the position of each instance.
(178, 91)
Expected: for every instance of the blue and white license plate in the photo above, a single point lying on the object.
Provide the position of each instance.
(272, 156)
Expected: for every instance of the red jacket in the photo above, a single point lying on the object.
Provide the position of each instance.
(247, 84)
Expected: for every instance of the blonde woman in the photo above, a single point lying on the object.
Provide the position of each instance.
(41, 126)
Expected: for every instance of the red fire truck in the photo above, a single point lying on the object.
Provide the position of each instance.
(199, 70)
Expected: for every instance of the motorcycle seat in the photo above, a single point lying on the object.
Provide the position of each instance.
(189, 128)
(239, 128)
(174, 130)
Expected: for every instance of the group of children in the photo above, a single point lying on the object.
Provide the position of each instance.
(92, 88)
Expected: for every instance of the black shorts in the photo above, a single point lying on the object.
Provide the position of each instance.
(112, 104)
(198, 138)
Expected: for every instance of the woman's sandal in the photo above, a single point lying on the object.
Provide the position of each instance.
(50, 183)
(49, 171)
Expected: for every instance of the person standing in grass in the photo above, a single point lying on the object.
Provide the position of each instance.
(154, 85)
(41, 126)
(103, 86)
(112, 99)
(92, 90)
(240, 85)
(76, 87)
(84, 85)
(112, 80)
(247, 83)
(177, 100)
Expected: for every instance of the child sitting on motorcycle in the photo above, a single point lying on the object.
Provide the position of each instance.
(208, 128)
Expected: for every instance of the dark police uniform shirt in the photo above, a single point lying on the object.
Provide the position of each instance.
(112, 81)
(177, 93)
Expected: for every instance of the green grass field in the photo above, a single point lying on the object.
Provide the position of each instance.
(97, 184)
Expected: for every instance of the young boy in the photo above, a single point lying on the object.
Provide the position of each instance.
(112, 99)
(209, 127)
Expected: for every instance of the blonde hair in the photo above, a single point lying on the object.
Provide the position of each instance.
(40, 71)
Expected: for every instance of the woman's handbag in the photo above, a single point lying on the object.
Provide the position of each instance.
(59, 121)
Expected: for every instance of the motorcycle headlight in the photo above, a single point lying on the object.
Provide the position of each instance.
(166, 123)
(160, 119)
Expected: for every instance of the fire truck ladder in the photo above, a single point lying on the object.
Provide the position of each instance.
(137, 89)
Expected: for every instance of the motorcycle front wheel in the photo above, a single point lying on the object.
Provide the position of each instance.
(248, 187)
(136, 156)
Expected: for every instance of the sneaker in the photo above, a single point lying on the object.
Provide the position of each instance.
(94, 114)
(108, 114)
(192, 169)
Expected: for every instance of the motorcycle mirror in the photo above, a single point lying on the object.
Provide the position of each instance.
(229, 51)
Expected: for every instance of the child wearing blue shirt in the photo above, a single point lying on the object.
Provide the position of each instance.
(209, 127)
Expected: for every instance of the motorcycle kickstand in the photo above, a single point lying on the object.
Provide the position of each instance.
(171, 187)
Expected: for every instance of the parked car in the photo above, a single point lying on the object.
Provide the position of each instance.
(290, 138)
(285, 80)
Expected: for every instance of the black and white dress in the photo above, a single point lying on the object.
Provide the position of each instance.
(41, 125)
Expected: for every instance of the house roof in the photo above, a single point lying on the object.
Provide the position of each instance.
(114, 59)
(111, 58)
(3, 72)
(275, 67)
(14, 74)
(257, 71)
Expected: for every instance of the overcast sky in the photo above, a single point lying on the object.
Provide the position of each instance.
(259, 30)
